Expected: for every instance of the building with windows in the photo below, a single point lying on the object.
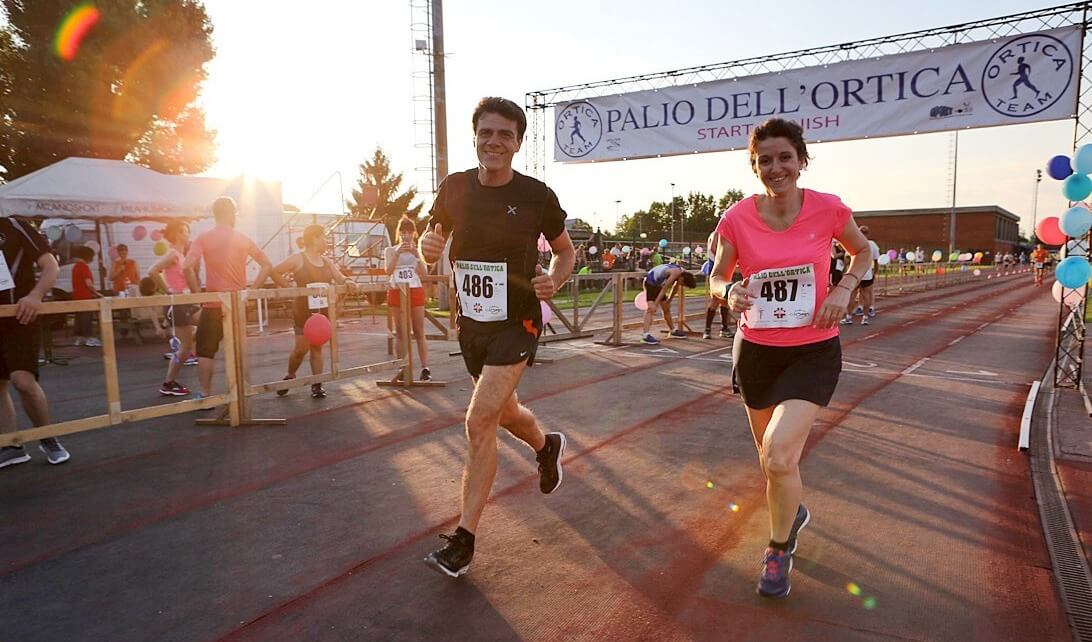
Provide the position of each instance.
(981, 228)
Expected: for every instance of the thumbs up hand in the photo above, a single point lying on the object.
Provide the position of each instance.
(432, 244)
(543, 284)
(739, 297)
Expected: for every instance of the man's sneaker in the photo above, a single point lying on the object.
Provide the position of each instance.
(317, 391)
(93, 343)
(649, 339)
(78, 342)
(798, 524)
(865, 321)
(549, 462)
(776, 566)
(872, 312)
(173, 389)
(426, 374)
(858, 311)
(727, 334)
(453, 559)
(846, 320)
(707, 334)
(677, 333)
(168, 355)
(54, 451)
(11, 455)
(191, 360)
(283, 391)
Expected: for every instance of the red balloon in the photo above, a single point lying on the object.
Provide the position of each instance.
(317, 330)
(1049, 232)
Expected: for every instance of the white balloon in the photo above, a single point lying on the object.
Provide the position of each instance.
(593, 250)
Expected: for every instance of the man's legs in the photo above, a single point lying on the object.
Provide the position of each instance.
(493, 391)
(32, 396)
(866, 299)
(295, 358)
(7, 409)
(205, 366)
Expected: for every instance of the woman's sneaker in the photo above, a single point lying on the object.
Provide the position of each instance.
(173, 389)
(426, 374)
(798, 524)
(708, 334)
(650, 340)
(11, 455)
(317, 391)
(93, 343)
(54, 451)
(283, 391)
(776, 566)
(677, 333)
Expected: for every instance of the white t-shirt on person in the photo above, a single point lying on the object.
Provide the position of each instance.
(875, 255)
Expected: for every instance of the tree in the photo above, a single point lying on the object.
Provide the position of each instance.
(389, 205)
(129, 92)
(698, 212)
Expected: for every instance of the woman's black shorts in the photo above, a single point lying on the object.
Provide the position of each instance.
(767, 375)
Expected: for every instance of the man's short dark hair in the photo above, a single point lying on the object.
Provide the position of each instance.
(85, 253)
(224, 208)
(688, 280)
(501, 107)
(147, 286)
(122, 246)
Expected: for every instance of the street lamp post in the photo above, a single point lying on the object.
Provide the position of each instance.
(1035, 202)
(672, 212)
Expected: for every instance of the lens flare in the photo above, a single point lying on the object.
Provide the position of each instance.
(853, 588)
(869, 603)
(708, 484)
(734, 507)
(73, 30)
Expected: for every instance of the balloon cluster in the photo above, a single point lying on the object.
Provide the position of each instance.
(1074, 271)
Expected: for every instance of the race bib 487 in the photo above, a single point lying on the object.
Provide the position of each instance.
(784, 297)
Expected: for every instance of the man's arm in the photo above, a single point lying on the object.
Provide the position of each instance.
(27, 308)
(263, 261)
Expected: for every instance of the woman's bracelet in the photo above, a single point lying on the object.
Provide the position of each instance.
(852, 275)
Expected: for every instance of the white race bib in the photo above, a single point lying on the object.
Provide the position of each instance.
(1038, 266)
(6, 280)
(784, 298)
(407, 275)
(483, 290)
(319, 302)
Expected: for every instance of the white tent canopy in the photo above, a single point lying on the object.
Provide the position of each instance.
(110, 191)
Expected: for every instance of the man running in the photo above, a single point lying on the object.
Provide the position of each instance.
(716, 301)
(494, 216)
(21, 249)
(862, 294)
(659, 290)
(1039, 258)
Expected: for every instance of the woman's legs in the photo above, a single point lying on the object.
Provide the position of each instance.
(417, 315)
(299, 351)
(185, 336)
(783, 439)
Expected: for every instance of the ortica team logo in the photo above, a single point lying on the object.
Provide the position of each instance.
(579, 129)
(1027, 75)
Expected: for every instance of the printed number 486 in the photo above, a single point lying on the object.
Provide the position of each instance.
(476, 285)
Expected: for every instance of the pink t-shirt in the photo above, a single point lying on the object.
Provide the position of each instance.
(173, 275)
(225, 252)
(822, 217)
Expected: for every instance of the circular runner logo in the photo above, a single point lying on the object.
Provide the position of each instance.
(579, 129)
(1027, 75)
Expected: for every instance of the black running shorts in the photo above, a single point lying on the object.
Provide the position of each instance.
(210, 332)
(768, 375)
(19, 345)
(867, 283)
(507, 345)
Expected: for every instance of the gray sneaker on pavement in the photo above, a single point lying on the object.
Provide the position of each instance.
(11, 455)
(54, 451)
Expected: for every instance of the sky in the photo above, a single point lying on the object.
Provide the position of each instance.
(304, 92)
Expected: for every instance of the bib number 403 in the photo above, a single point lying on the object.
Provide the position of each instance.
(780, 290)
(476, 285)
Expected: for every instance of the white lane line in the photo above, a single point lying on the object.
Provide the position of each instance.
(983, 326)
(871, 336)
(956, 340)
(937, 313)
(914, 367)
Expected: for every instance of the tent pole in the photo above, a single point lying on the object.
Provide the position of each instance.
(102, 267)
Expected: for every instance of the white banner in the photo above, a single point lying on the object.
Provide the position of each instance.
(1020, 79)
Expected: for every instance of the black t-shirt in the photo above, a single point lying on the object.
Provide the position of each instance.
(22, 245)
(499, 224)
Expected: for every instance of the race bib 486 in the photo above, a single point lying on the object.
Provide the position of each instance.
(483, 290)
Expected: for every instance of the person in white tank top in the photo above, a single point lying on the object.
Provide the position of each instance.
(404, 265)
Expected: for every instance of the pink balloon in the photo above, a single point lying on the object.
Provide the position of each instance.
(1048, 231)
(139, 232)
(156, 235)
(547, 312)
(641, 301)
(543, 244)
(317, 329)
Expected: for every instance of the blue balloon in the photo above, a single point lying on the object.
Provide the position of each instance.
(1076, 221)
(1073, 272)
(1077, 187)
(1082, 160)
(663, 242)
(1058, 167)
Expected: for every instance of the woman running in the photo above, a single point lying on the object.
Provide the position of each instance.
(787, 356)
(167, 272)
(716, 297)
(405, 265)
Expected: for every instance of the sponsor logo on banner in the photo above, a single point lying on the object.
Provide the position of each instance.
(1024, 78)
(579, 129)
(1027, 75)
